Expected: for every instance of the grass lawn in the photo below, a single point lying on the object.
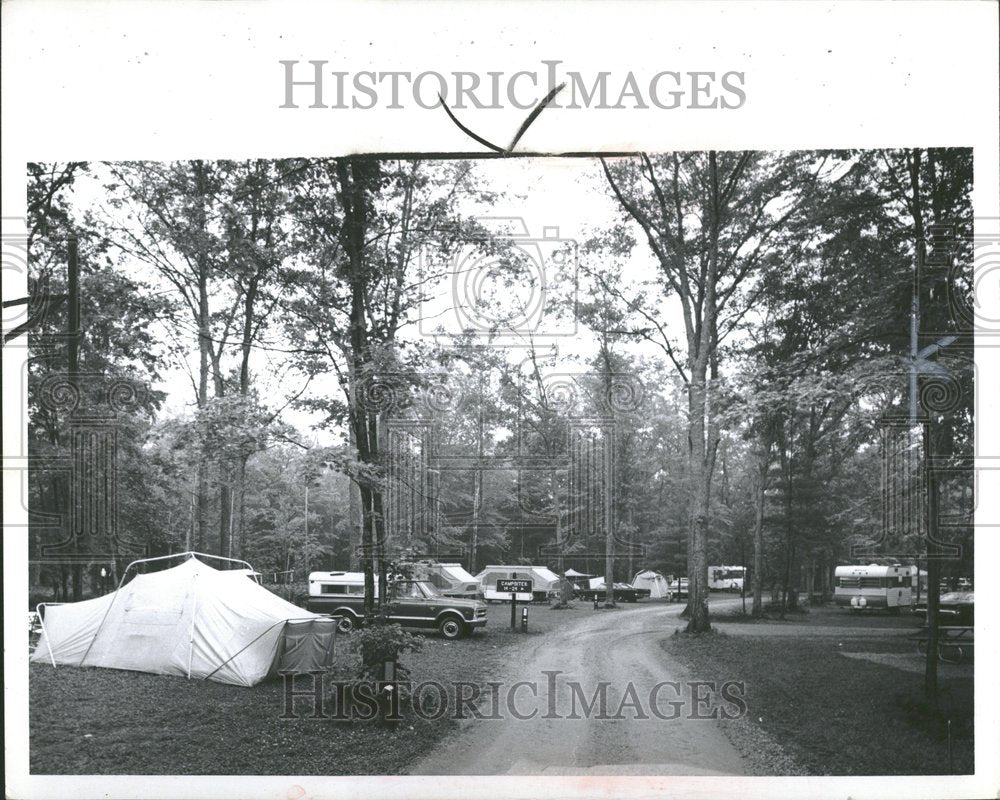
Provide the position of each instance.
(837, 715)
(817, 616)
(112, 722)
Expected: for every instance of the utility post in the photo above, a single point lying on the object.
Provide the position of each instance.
(73, 353)
(933, 576)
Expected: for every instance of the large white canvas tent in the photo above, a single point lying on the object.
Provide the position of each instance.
(190, 620)
(654, 581)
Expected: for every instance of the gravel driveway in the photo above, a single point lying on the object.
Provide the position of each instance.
(615, 646)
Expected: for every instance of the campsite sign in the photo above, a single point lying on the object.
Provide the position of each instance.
(514, 586)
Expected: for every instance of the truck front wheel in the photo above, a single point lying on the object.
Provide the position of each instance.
(346, 623)
(451, 628)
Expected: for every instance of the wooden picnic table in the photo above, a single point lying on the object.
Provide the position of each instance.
(956, 643)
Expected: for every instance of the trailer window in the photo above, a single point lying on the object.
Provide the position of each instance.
(341, 588)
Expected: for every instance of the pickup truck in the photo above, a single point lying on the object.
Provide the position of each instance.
(412, 604)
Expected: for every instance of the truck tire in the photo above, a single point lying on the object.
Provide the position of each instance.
(346, 623)
(451, 627)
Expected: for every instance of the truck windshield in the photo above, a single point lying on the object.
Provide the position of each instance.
(418, 589)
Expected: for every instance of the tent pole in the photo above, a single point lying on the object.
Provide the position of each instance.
(48, 641)
(268, 629)
(178, 555)
(194, 614)
(103, 620)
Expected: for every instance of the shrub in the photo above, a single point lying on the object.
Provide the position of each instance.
(381, 643)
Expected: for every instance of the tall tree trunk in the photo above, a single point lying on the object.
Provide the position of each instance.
(204, 350)
(241, 506)
(356, 519)
(607, 517)
(698, 620)
(354, 534)
(703, 423)
(786, 474)
(477, 489)
(237, 479)
(607, 482)
(763, 464)
(351, 175)
(631, 560)
(225, 508)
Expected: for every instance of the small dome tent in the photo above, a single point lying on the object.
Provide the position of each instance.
(189, 620)
(654, 581)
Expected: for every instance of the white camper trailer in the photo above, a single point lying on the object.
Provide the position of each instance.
(726, 579)
(543, 582)
(873, 586)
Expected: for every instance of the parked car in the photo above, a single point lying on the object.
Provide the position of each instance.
(955, 609)
(412, 604)
(679, 588)
(623, 593)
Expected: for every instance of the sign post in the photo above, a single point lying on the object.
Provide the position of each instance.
(515, 587)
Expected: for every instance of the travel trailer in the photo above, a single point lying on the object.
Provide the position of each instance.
(873, 586)
(726, 579)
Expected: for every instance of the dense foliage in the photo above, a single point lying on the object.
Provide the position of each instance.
(729, 398)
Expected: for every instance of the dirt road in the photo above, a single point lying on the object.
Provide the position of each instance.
(561, 738)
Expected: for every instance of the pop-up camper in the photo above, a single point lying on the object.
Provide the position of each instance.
(543, 582)
(451, 580)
